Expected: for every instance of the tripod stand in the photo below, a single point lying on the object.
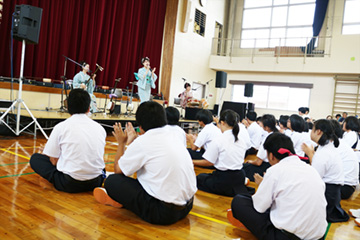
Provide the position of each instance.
(20, 101)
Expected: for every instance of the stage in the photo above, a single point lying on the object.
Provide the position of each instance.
(48, 119)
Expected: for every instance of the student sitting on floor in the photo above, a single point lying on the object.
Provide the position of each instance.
(351, 128)
(172, 117)
(283, 121)
(255, 132)
(72, 159)
(226, 154)
(327, 161)
(207, 134)
(350, 164)
(296, 124)
(289, 202)
(261, 163)
(164, 190)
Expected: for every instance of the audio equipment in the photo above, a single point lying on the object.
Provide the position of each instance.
(249, 89)
(221, 78)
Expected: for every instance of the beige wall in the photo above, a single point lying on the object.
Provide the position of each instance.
(192, 51)
(319, 71)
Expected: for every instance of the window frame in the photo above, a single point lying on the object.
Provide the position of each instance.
(308, 86)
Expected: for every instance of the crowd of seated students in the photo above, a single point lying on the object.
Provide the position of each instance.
(303, 168)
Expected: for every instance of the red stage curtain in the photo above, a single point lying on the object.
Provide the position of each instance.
(115, 34)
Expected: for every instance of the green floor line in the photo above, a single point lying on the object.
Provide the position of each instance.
(8, 164)
(17, 175)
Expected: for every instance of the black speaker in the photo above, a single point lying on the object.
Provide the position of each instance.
(240, 108)
(26, 23)
(215, 110)
(221, 79)
(190, 113)
(251, 107)
(249, 88)
(117, 109)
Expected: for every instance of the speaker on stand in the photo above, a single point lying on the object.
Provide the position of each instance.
(248, 92)
(221, 79)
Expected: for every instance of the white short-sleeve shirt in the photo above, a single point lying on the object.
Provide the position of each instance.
(207, 134)
(350, 163)
(262, 153)
(225, 153)
(295, 194)
(350, 138)
(163, 165)
(328, 163)
(244, 135)
(178, 132)
(298, 139)
(79, 144)
(255, 133)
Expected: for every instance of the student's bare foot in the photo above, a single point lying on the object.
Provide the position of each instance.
(235, 222)
(102, 197)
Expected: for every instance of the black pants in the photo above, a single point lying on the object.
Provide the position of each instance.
(347, 191)
(227, 183)
(41, 165)
(196, 155)
(251, 169)
(258, 223)
(132, 196)
(334, 212)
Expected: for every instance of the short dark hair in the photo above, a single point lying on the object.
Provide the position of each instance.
(268, 120)
(307, 109)
(150, 115)
(78, 101)
(187, 85)
(302, 110)
(328, 132)
(352, 123)
(283, 120)
(172, 115)
(297, 123)
(337, 128)
(337, 115)
(205, 116)
(251, 115)
(275, 141)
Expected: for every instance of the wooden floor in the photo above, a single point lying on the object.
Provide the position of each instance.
(31, 211)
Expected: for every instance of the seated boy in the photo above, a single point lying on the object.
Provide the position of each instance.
(290, 201)
(165, 186)
(72, 159)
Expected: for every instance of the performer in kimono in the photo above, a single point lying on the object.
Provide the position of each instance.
(146, 80)
(86, 82)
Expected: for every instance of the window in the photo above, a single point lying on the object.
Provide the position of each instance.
(351, 22)
(277, 96)
(199, 23)
(270, 23)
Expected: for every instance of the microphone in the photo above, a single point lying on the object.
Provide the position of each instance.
(183, 79)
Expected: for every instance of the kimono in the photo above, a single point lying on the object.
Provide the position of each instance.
(145, 83)
(80, 78)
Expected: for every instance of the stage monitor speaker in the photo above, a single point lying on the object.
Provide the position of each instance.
(26, 23)
(249, 88)
(221, 78)
(240, 108)
(215, 110)
(190, 113)
(251, 107)
(117, 109)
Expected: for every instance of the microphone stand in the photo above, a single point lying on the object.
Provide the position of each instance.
(62, 107)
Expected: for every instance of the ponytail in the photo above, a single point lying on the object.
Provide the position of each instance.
(236, 131)
(231, 118)
(328, 132)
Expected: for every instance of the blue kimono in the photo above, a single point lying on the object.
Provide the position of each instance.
(80, 78)
(145, 83)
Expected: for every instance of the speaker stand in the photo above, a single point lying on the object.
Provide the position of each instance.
(20, 101)
(220, 100)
